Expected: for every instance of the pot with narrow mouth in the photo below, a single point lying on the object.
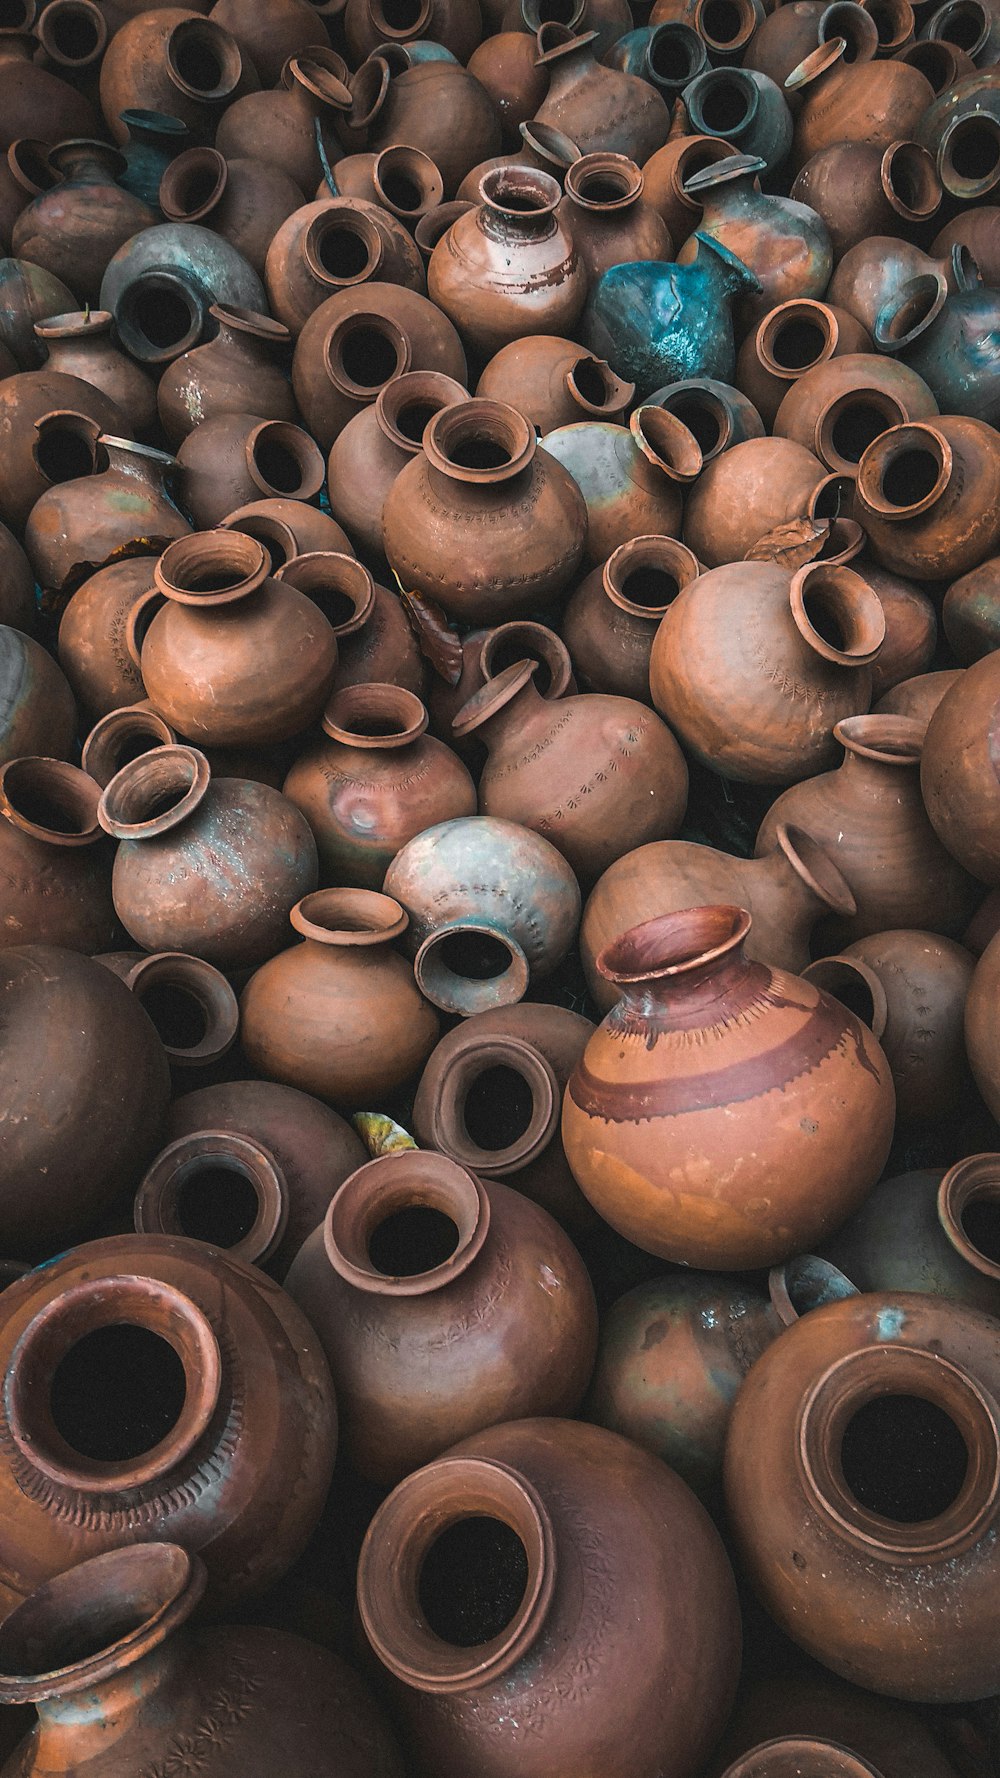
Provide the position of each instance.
(298, 119)
(336, 244)
(194, 1010)
(240, 371)
(232, 458)
(375, 642)
(929, 496)
(611, 619)
(80, 345)
(795, 337)
(74, 229)
(932, 1231)
(553, 381)
(170, 60)
(861, 189)
(632, 477)
(119, 507)
(598, 107)
(161, 285)
(377, 444)
(55, 869)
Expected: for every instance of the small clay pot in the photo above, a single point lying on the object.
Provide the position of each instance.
(232, 458)
(486, 653)
(75, 228)
(79, 345)
(37, 707)
(794, 338)
(55, 869)
(240, 371)
(247, 201)
(377, 444)
(553, 382)
(375, 641)
(630, 477)
(336, 244)
(607, 215)
(929, 497)
(611, 619)
(746, 492)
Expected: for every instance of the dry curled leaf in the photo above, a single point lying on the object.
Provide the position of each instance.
(437, 641)
(791, 545)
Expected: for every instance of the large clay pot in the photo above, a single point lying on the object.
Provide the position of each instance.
(374, 783)
(784, 243)
(375, 642)
(79, 345)
(250, 1698)
(83, 1115)
(339, 1015)
(336, 244)
(436, 106)
(49, 425)
(238, 372)
(931, 1231)
(224, 615)
(287, 28)
(123, 508)
(546, 1543)
(981, 1025)
(861, 189)
(631, 476)
(188, 1384)
(786, 891)
(377, 444)
(55, 874)
(929, 497)
(233, 458)
(667, 172)
(878, 102)
(482, 522)
(756, 696)
(553, 382)
(958, 776)
(294, 121)
(209, 867)
(598, 107)
(611, 619)
(792, 339)
(746, 492)
(879, 1470)
(170, 59)
(426, 1287)
(475, 948)
(648, 1117)
(596, 775)
(244, 199)
(870, 817)
(74, 229)
(161, 285)
(37, 709)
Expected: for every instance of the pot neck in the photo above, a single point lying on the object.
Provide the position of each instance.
(50, 801)
(363, 353)
(211, 569)
(521, 639)
(507, 703)
(546, 147)
(643, 577)
(340, 585)
(245, 331)
(969, 1211)
(155, 129)
(470, 966)
(317, 81)
(407, 1224)
(342, 246)
(837, 614)
(663, 442)
(348, 919)
(82, 162)
(796, 337)
(121, 735)
(882, 754)
(596, 390)
(493, 1087)
(803, 875)
(193, 185)
(407, 182)
(203, 62)
(729, 184)
(568, 55)
(154, 794)
(375, 717)
(715, 265)
(910, 313)
(193, 1007)
(479, 443)
(518, 204)
(406, 405)
(679, 965)
(813, 73)
(137, 464)
(218, 1187)
(604, 184)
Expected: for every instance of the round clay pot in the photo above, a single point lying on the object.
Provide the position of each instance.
(931, 1231)
(607, 215)
(746, 492)
(377, 444)
(36, 704)
(630, 477)
(35, 102)
(871, 272)
(597, 107)
(240, 371)
(977, 231)
(553, 382)
(374, 639)
(958, 776)
(911, 628)
(745, 109)
(287, 528)
(339, 1015)
(336, 244)
(430, 1291)
(981, 1025)
(55, 870)
(854, 102)
(666, 174)
(233, 458)
(929, 497)
(611, 619)
(73, 230)
(79, 345)
(680, 1047)
(49, 426)
(403, 181)
(161, 285)
(839, 408)
(861, 189)
(169, 59)
(784, 243)
(718, 415)
(669, 54)
(792, 339)
(971, 613)
(17, 585)
(506, 65)
(294, 120)
(436, 106)
(120, 736)
(120, 508)
(287, 28)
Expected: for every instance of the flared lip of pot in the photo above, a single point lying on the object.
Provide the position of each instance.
(408, 1179)
(940, 15)
(174, 1580)
(817, 63)
(816, 868)
(544, 645)
(549, 143)
(620, 394)
(553, 41)
(881, 453)
(111, 158)
(131, 447)
(402, 1532)
(667, 442)
(915, 151)
(626, 173)
(929, 290)
(162, 770)
(169, 194)
(965, 190)
(204, 984)
(163, 123)
(76, 786)
(317, 573)
(227, 51)
(862, 647)
(128, 720)
(797, 308)
(494, 696)
(465, 421)
(19, 156)
(350, 917)
(75, 324)
(368, 91)
(500, 185)
(415, 387)
(809, 1275)
(420, 27)
(749, 281)
(318, 71)
(887, 740)
(972, 1180)
(388, 703)
(724, 172)
(300, 446)
(706, 80)
(250, 321)
(470, 994)
(430, 180)
(827, 972)
(783, 1756)
(137, 343)
(672, 946)
(650, 550)
(480, 1052)
(181, 1160)
(242, 557)
(340, 214)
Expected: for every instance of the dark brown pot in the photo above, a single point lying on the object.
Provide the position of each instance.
(608, 217)
(631, 476)
(336, 244)
(794, 338)
(170, 59)
(870, 817)
(35, 102)
(554, 382)
(233, 458)
(377, 444)
(240, 371)
(195, 1012)
(431, 1330)
(403, 181)
(17, 585)
(234, 1460)
(786, 890)
(611, 619)
(55, 869)
(861, 189)
(981, 1025)
(971, 613)
(929, 497)
(79, 345)
(958, 777)
(507, 66)
(591, 1536)
(219, 1188)
(454, 24)
(24, 174)
(489, 1099)
(667, 172)
(838, 408)
(37, 708)
(292, 120)
(917, 697)
(286, 28)
(746, 492)
(122, 509)
(929, 1232)
(33, 460)
(250, 1698)
(244, 200)
(599, 108)
(436, 106)
(74, 229)
(83, 1117)
(681, 1047)
(875, 102)
(374, 639)
(27, 295)
(287, 528)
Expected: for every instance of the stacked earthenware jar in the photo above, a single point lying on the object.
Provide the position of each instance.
(500, 889)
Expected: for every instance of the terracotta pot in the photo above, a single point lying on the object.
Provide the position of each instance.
(376, 782)
(746, 492)
(476, 950)
(783, 1758)
(436, 106)
(808, 1073)
(232, 458)
(976, 30)
(796, 337)
(74, 229)
(785, 244)
(743, 108)
(837, 409)
(216, 870)
(580, 1520)
(862, 189)
(553, 382)
(854, 102)
(17, 585)
(377, 444)
(287, 528)
(911, 1234)
(608, 19)
(36, 704)
(510, 266)
(218, 1188)
(162, 284)
(666, 174)
(977, 230)
(293, 120)
(874, 270)
(24, 174)
(196, 1015)
(607, 216)
(169, 59)
(506, 65)
(56, 870)
(630, 477)
(910, 989)
(453, 514)
(311, 1146)
(786, 891)
(374, 638)
(244, 200)
(917, 697)
(903, 1389)
(928, 497)
(289, 28)
(122, 509)
(804, 1699)
(28, 294)
(403, 181)
(485, 653)
(674, 1353)
(154, 138)
(727, 35)
(121, 736)
(79, 345)
(944, 336)
(981, 1025)
(598, 107)
(595, 775)
(224, 614)
(337, 1015)
(420, 1260)
(718, 415)
(911, 628)
(35, 102)
(869, 816)
(248, 1696)
(31, 460)
(84, 1117)
(143, 1319)
(453, 24)
(357, 341)
(783, 38)
(725, 686)
(336, 244)
(612, 617)
(240, 371)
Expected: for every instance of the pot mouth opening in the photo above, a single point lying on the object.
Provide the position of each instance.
(645, 575)
(407, 405)
(401, 18)
(668, 442)
(519, 192)
(73, 33)
(596, 388)
(965, 24)
(856, 28)
(705, 415)
(76, 324)
(499, 1105)
(727, 102)
(469, 966)
(536, 13)
(549, 143)
(789, 1756)
(367, 90)
(192, 1005)
(796, 337)
(837, 614)
(321, 72)
(407, 181)
(365, 352)
(818, 62)
(853, 421)
(277, 538)
(349, 917)
(969, 1208)
(554, 41)
(50, 800)
(725, 24)
(285, 461)
(910, 181)
(479, 441)
(375, 716)
(342, 246)
(936, 61)
(674, 945)
(217, 1188)
(805, 1283)
(968, 158)
(28, 160)
(193, 184)
(340, 585)
(816, 869)
(406, 1224)
(499, 690)
(158, 317)
(66, 447)
(605, 181)
(854, 986)
(120, 737)
(204, 60)
(889, 740)
(674, 55)
(154, 793)
(210, 568)
(510, 643)
(908, 313)
(893, 20)
(904, 471)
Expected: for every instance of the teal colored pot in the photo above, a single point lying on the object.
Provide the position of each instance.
(742, 107)
(161, 284)
(950, 339)
(785, 244)
(669, 56)
(656, 323)
(154, 139)
(718, 415)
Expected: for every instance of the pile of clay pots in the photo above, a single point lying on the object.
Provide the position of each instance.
(500, 889)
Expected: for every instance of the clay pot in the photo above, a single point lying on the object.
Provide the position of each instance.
(357, 341)
(718, 415)
(903, 1389)
(929, 497)
(871, 273)
(436, 106)
(36, 704)
(977, 31)
(595, 775)
(84, 1116)
(971, 613)
(256, 1696)
(745, 493)
(377, 443)
(218, 1188)
(170, 59)
(160, 288)
(783, 38)
(374, 638)
(607, 216)
(802, 1698)
(293, 121)
(336, 244)
(239, 371)
(743, 108)
(56, 872)
(154, 138)
(837, 409)
(486, 653)
(32, 460)
(611, 619)
(680, 1046)
(724, 686)
(910, 988)
(917, 697)
(74, 229)
(224, 614)
(785, 244)
(232, 458)
(339, 1015)
(945, 337)
(657, 323)
(666, 174)
(73, 35)
(783, 1758)
(582, 1521)
(541, 147)
(288, 28)
(122, 509)
(24, 174)
(786, 891)
(553, 383)
(869, 816)
(144, 1319)
(630, 477)
(474, 950)
(453, 24)
(854, 102)
(376, 782)
(796, 337)
(599, 108)
(247, 201)
(403, 181)
(489, 1098)
(420, 1259)
(668, 55)
(35, 102)
(196, 1015)
(608, 19)
(510, 266)
(978, 232)
(28, 294)
(911, 628)
(17, 585)
(674, 1353)
(477, 502)
(506, 65)
(287, 528)
(208, 868)
(929, 1232)
(121, 736)
(79, 345)
(861, 189)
